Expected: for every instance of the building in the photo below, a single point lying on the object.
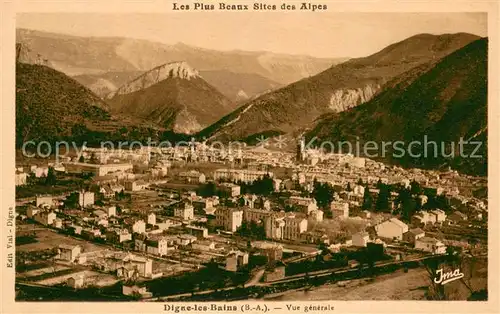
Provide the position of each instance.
(235, 260)
(32, 211)
(21, 178)
(303, 204)
(456, 217)
(430, 245)
(317, 215)
(136, 290)
(413, 234)
(203, 245)
(185, 212)
(135, 186)
(152, 219)
(118, 235)
(40, 171)
(110, 211)
(198, 232)
(391, 229)
(99, 170)
(274, 226)
(229, 219)
(229, 190)
(45, 200)
(192, 176)
(255, 214)
(139, 227)
(76, 282)
(69, 252)
(243, 175)
(339, 209)
(85, 199)
(45, 218)
(274, 272)
(294, 227)
(157, 246)
(360, 238)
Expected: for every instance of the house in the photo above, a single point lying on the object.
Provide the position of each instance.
(57, 223)
(317, 215)
(360, 238)
(198, 232)
(294, 227)
(430, 245)
(90, 233)
(42, 200)
(303, 204)
(456, 217)
(391, 229)
(118, 235)
(32, 211)
(21, 178)
(157, 246)
(77, 281)
(339, 209)
(139, 226)
(185, 212)
(192, 176)
(152, 219)
(136, 185)
(85, 199)
(186, 239)
(135, 290)
(100, 214)
(40, 171)
(110, 190)
(45, 218)
(413, 234)
(235, 260)
(144, 265)
(229, 219)
(439, 215)
(365, 214)
(110, 211)
(274, 272)
(244, 175)
(229, 189)
(69, 252)
(203, 245)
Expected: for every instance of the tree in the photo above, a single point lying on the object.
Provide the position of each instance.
(382, 203)
(415, 188)
(323, 194)
(51, 178)
(348, 188)
(407, 204)
(367, 200)
(81, 159)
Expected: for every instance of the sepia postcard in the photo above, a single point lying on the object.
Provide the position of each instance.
(188, 156)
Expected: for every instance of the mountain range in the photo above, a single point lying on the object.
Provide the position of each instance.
(442, 101)
(294, 108)
(102, 64)
(426, 85)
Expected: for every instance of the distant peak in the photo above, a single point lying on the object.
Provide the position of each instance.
(171, 70)
(178, 69)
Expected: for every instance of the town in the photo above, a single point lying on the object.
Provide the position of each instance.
(198, 223)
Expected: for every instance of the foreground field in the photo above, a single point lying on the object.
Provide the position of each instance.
(395, 286)
(48, 239)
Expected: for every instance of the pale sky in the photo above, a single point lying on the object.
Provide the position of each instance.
(328, 34)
